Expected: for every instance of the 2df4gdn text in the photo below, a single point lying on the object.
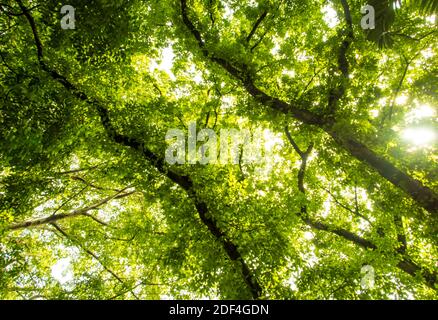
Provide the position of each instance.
(220, 309)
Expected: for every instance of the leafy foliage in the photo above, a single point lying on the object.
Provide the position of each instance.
(88, 209)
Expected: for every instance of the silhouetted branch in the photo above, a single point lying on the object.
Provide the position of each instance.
(256, 25)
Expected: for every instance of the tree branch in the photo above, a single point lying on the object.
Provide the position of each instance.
(89, 252)
(336, 94)
(75, 213)
(424, 196)
(397, 91)
(89, 184)
(406, 264)
(355, 212)
(256, 25)
(158, 162)
(401, 236)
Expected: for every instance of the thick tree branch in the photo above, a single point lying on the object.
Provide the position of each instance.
(406, 264)
(186, 183)
(304, 155)
(423, 195)
(347, 235)
(158, 162)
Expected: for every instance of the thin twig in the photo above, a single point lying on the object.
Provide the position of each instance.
(66, 235)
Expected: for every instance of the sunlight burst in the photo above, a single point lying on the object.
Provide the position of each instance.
(419, 136)
(330, 17)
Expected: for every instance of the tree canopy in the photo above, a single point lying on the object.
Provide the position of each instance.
(342, 205)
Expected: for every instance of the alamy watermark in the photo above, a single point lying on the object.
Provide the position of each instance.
(230, 146)
(68, 20)
(368, 21)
